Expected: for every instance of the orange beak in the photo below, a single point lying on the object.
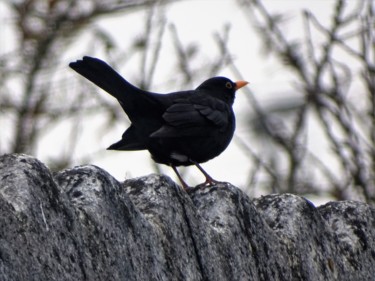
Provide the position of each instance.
(240, 84)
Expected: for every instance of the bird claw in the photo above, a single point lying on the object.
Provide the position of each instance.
(208, 183)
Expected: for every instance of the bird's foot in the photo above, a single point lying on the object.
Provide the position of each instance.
(209, 182)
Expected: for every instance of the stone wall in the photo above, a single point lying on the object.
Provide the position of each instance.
(82, 224)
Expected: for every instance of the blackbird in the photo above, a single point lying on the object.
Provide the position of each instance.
(181, 128)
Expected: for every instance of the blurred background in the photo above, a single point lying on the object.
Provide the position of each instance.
(305, 123)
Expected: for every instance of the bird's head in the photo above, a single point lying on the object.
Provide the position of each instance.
(222, 88)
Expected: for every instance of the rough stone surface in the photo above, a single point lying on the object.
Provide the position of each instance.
(82, 224)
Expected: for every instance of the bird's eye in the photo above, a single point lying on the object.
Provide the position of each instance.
(229, 85)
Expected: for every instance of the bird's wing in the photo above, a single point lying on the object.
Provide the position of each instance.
(193, 117)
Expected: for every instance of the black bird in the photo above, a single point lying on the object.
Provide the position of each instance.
(181, 128)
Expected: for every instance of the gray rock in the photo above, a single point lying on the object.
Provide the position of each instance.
(82, 224)
(353, 224)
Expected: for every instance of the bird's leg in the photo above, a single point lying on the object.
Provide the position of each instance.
(183, 183)
(209, 180)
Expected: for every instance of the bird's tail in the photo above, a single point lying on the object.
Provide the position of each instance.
(104, 76)
(138, 104)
